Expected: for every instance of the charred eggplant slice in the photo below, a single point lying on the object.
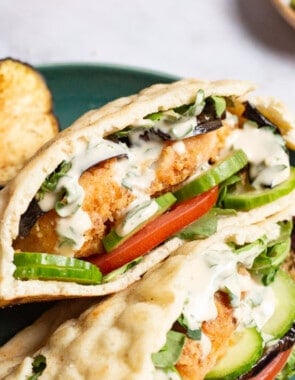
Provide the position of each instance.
(252, 113)
(204, 116)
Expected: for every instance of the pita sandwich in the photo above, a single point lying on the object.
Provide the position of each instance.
(215, 313)
(121, 189)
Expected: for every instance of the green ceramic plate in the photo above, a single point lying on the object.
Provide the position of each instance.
(76, 89)
(79, 88)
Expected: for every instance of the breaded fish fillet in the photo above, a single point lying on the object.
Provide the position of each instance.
(193, 363)
(105, 198)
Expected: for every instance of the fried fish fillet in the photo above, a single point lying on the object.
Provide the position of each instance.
(193, 364)
(105, 198)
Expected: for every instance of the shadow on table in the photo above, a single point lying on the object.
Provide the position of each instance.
(263, 22)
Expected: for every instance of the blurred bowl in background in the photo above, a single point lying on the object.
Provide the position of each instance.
(285, 9)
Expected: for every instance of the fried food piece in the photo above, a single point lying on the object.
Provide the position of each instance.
(26, 118)
(192, 365)
(174, 168)
(105, 198)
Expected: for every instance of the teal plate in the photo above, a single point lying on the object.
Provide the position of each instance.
(77, 88)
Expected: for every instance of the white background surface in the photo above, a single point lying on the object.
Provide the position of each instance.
(212, 39)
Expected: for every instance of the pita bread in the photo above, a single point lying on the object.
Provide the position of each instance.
(115, 338)
(92, 126)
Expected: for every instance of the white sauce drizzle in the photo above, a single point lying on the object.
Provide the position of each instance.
(217, 269)
(256, 307)
(136, 216)
(177, 130)
(74, 222)
(179, 147)
(138, 171)
(269, 162)
(87, 156)
(72, 229)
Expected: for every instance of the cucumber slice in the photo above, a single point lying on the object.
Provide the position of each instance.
(252, 199)
(284, 314)
(113, 240)
(218, 173)
(48, 259)
(43, 266)
(80, 276)
(244, 351)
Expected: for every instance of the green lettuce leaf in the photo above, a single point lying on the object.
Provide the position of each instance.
(167, 357)
(204, 226)
(269, 261)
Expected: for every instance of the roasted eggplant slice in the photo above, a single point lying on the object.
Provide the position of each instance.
(253, 114)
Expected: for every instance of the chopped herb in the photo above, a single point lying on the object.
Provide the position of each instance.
(192, 334)
(38, 366)
(156, 116)
(50, 183)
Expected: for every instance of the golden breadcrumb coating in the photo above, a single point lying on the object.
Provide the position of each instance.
(105, 198)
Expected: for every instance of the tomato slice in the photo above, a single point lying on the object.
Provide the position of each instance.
(156, 232)
(274, 367)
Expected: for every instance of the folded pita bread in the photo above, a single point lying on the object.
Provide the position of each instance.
(116, 337)
(87, 131)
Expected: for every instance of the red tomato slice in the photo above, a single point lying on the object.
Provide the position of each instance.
(274, 367)
(156, 232)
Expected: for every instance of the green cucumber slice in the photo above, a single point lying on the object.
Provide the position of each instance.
(241, 355)
(43, 266)
(48, 259)
(80, 276)
(284, 315)
(218, 173)
(252, 199)
(113, 240)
